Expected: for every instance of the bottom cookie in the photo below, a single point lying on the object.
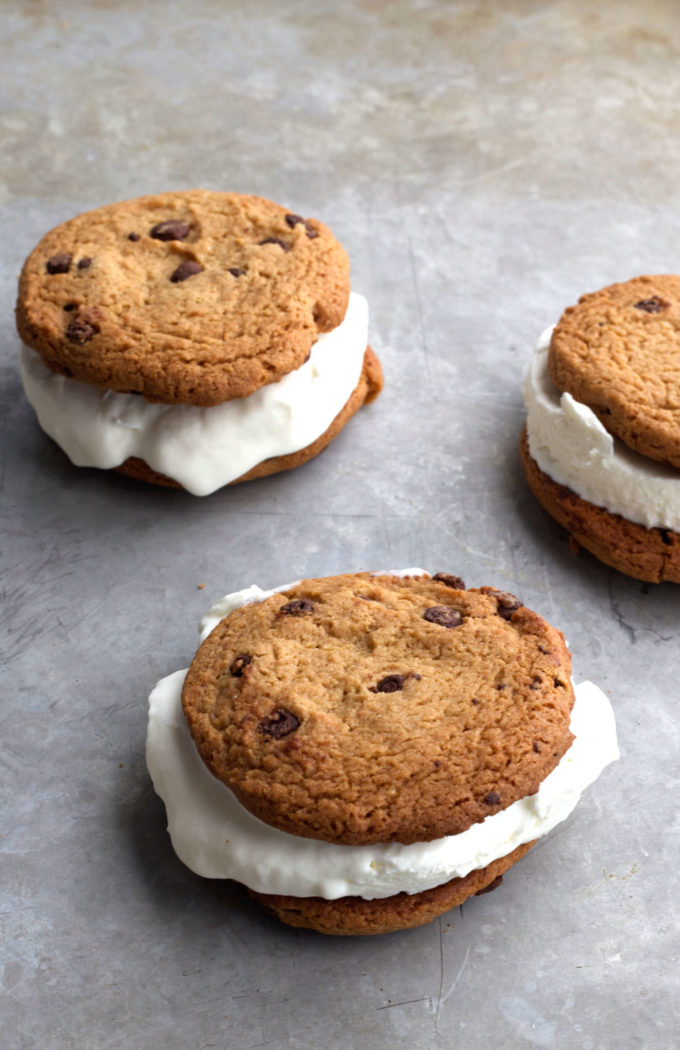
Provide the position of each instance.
(366, 390)
(352, 916)
(652, 555)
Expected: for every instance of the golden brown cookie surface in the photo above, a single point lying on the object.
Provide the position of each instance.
(361, 709)
(618, 352)
(191, 297)
(646, 554)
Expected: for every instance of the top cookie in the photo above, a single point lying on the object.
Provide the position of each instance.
(618, 352)
(187, 298)
(360, 709)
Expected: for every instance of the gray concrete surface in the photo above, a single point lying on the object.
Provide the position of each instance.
(484, 164)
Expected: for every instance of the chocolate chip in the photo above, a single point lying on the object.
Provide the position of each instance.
(493, 885)
(70, 306)
(80, 331)
(535, 682)
(537, 747)
(474, 701)
(59, 263)
(665, 537)
(391, 683)
(492, 799)
(170, 230)
(297, 607)
(293, 220)
(85, 263)
(437, 763)
(652, 306)
(186, 269)
(134, 237)
(276, 240)
(238, 665)
(507, 604)
(236, 271)
(279, 723)
(450, 581)
(444, 615)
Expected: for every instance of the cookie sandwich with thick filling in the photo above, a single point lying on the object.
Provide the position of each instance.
(601, 447)
(364, 752)
(193, 339)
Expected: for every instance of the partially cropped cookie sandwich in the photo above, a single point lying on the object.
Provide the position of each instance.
(364, 752)
(601, 448)
(193, 339)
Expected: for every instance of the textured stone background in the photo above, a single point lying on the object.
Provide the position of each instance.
(484, 164)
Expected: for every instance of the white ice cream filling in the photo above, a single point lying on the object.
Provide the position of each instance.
(215, 836)
(202, 448)
(571, 446)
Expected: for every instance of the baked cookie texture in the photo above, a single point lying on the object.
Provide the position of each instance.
(188, 298)
(363, 709)
(192, 298)
(617, 352)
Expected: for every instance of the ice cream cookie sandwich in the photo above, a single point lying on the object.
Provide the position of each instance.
(364, 752)
(193, 339)
(601, 447)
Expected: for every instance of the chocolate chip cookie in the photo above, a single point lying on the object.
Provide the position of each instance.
(360, 709)
(365, 751)
(367, 710)
(618, 352)
(189, 300)
(601, 449)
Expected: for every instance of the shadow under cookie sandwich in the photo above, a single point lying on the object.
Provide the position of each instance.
(601, 447)
(364, 752)
(193, 339)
